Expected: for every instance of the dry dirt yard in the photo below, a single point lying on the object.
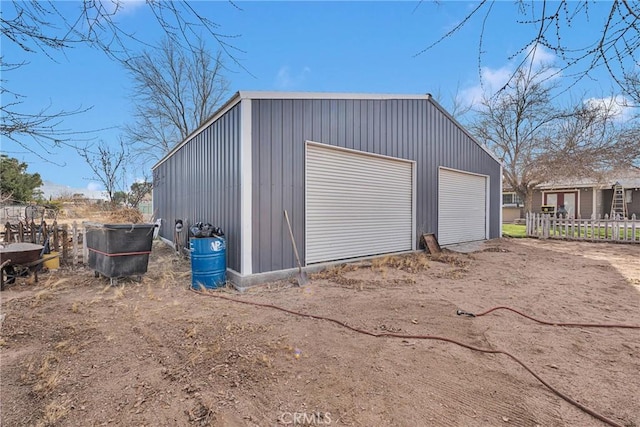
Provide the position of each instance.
(77, 352)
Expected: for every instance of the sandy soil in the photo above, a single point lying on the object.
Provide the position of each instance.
(77, 352)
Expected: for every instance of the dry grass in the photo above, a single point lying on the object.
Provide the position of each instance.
(191, 333)
(53, 284)
(53, 413)
(334, 272)
(411, 263)
(458, 260)
(118, 292)
(455, 273)
(125, 216)
(40, 297)
(62, 344)
(47, 383)
(46, 377)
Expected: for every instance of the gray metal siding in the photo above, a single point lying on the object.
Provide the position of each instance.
(410, 129)
(201, 182)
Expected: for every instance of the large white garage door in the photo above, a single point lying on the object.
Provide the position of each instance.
(357, 204)
(462, 207)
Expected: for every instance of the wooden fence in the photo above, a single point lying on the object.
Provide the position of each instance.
(546, 226)
(65, 239)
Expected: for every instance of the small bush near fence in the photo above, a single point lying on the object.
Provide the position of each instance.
(604, 229)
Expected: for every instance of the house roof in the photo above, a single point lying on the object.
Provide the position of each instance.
(240, 95)
(629, 178)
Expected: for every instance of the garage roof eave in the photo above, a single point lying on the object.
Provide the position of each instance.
(215, 116)
(248, 94)
(240, 95)
(453, 119)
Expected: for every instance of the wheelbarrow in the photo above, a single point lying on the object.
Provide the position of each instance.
(20, 259)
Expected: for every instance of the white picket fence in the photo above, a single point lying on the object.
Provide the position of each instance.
(546, 226)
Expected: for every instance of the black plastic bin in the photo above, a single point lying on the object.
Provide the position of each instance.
(119, 250)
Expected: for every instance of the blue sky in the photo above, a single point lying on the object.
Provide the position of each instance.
(368, 47)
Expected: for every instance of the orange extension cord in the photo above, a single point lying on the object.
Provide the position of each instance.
(544, 322)
(449, 340)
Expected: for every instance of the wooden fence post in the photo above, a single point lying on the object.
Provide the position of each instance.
(32, 226)
(85, 249)
(45, 233)
(7, 233)
(65, 242)
(56, 237)
(75, 243)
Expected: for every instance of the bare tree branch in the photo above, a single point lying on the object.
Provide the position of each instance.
(538, 142)
(107, 164)
(174, 93)
(46, 27)
(614, 42)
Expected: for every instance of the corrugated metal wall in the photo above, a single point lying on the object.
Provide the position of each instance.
(410, 129)
(201, 182)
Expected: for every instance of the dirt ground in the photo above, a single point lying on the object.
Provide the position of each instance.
(77, 352)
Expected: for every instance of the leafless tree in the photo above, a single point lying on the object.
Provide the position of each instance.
(107, 164)
(453, 102)
(538, 142)
(49, 28)
(174, 92)
(612, 29)
(594, 138)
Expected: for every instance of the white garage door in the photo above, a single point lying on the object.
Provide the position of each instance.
(357, 204)
(462, 207)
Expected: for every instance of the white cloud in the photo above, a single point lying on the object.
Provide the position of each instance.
(539, 58)
(122, 7)
(491, 80)
(619, 106)
(94, 186)
(286, 80)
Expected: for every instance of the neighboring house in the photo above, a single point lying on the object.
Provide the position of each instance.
(590, 198)
(359, 174)
(512, 206)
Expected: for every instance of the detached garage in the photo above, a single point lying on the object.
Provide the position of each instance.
(359, 175)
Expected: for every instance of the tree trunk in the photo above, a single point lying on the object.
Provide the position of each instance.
(527, 199)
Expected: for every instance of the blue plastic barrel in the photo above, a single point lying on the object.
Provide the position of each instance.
(208, 262)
